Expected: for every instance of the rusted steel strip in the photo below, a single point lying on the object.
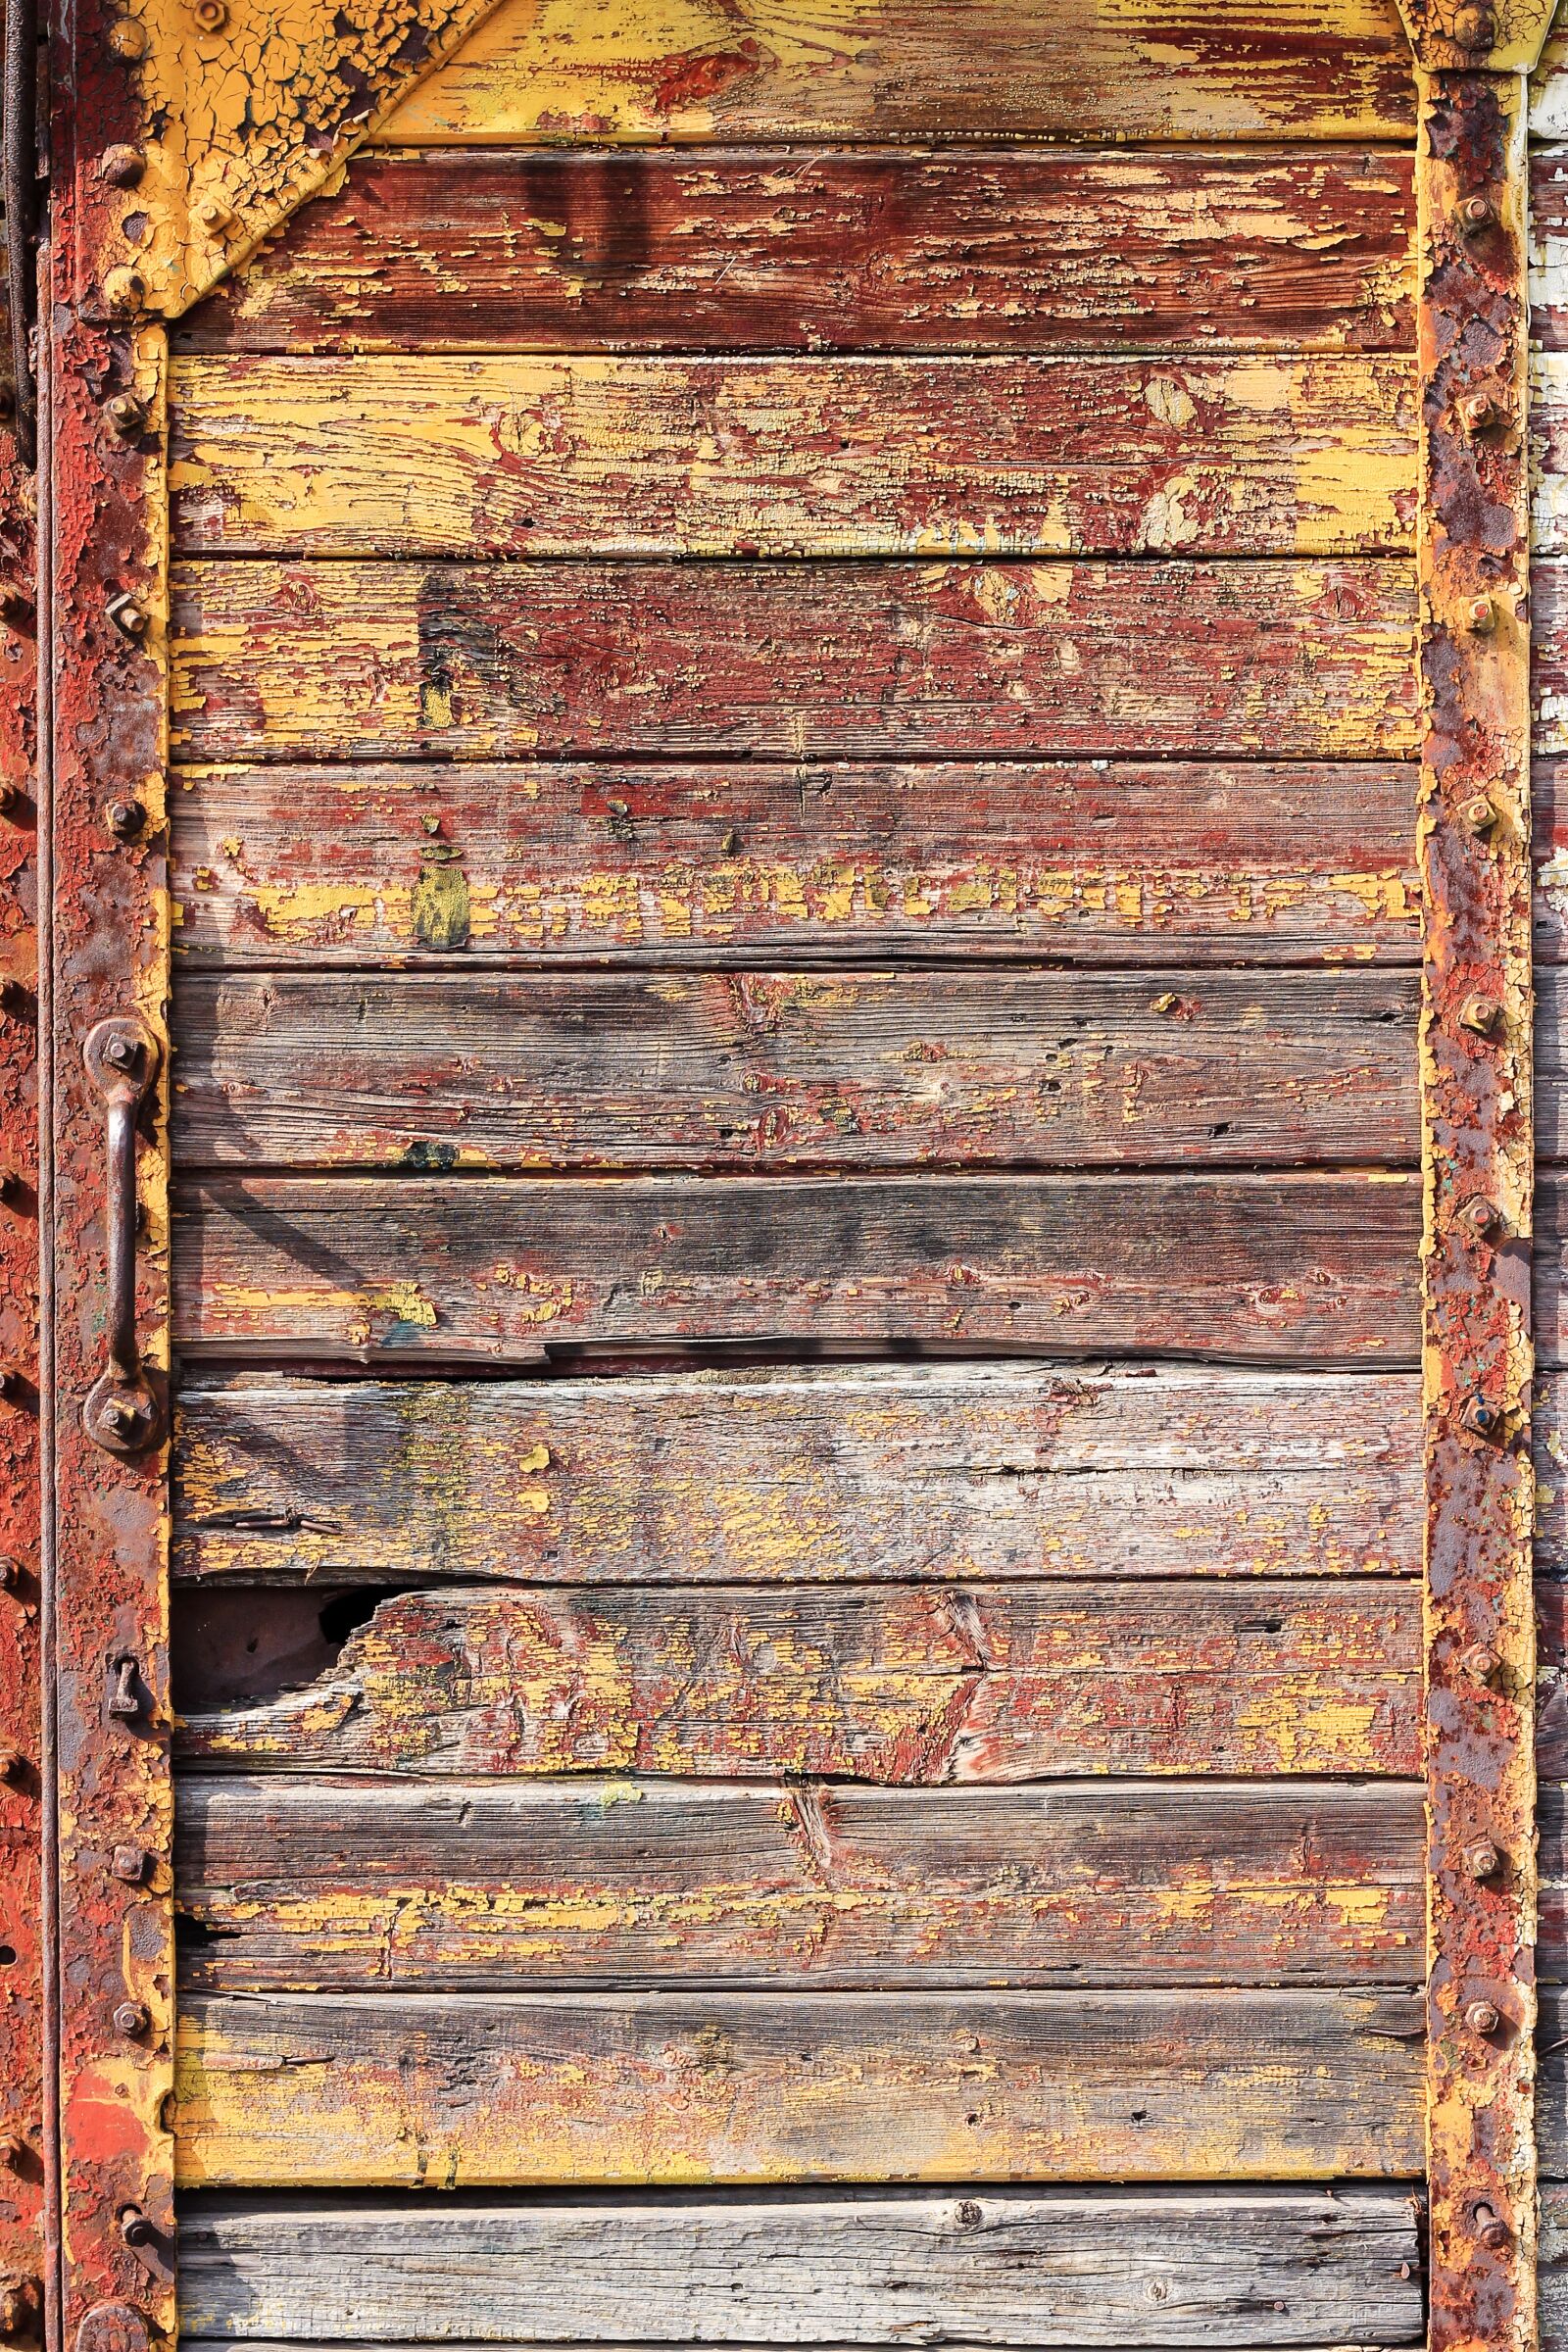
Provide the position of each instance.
(20, 1786)
(1474, 849)
(107, 953)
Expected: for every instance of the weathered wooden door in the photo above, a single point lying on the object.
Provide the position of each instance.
(780, 833)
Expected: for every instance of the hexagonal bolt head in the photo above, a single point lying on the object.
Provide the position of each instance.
(1473, 213)
(1481, 412)
(1480, 1665)
(129, 615)
(1479, 815)
(211, 15)
(1480, 1417)
(1481, 1860)
(126, 414)
(1492, 2231)
(129, 1863)
(1483, 2018)
(131, 2019)
(1480, 1217)
(10, 1572)
(1481, 617)
(1480, 1015)
(124, 818)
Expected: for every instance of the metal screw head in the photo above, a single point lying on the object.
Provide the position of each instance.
(126, 414)
(1480, 1015)
(1481, 1860)
(125, 291)
(129, 1862)
(1480, 814)
(124, 818)
(129, 615)
(131, 2019)
(122, 167)
(1475, 28)
(1474, 214)
(1481, 615)
(1483, 2018)
(1480, 1664)
(128, 40)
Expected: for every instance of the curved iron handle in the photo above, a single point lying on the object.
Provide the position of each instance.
(19, 194)
(122, 1412)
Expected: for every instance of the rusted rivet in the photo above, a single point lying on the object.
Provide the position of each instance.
(124, 818)
(13, 2148)
(134, 2227)
(122, 167)
(10, 1183)
(1483, 2018)
(1492, 2231)
(13, 1764)
(1481, 1860)
(129, 615)
(128, 40)
(1480, 814)
(131, 2019)
(15, 603)
(129, 1862)
(967, 2214)
(10, 1572)
(1481, 412)
(124, 1700)
(126, 414)
(1479, 1216)
(13, 799)
(1480, 1015)
(1481, 615)
(12, 1384)
(1480, 1664)
(125, 291)
(1474, 214)
(1475, 28)
(16, 995)
(1480, 1417)
(212, 14)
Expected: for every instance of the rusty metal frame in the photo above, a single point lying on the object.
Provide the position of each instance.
(1475, 1041)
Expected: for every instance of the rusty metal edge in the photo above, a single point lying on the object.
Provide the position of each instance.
(47, 1552)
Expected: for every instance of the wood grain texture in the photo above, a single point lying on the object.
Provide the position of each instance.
(1548, 654)
(1548, 812)
(1003, 2266)
(691, 69)
(1551, 2082)
(915, 1472)
(994, 249)
(1546, 1266)
(486, 1270)
(1128, 864)
(377, 2090)
(837, 1069)
(1548, 248)
(291, 1887)
(899, 1685)
(446, 455)
(362, 661)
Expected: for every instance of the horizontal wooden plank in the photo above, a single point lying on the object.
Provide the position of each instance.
(837, 1069)
(1127, 863)
(1548, 654)
(906, 1685)
(1549, 1266)
(1549, 798)
(1551, 2274)
(1548, 248)
(380, 2091)
(1551, 2091)
(1004, 2267)
(409, 661)
(291, 1887)
(692, 69)
(489, 1269)
(819, 1475)
(998, 249)
(452, 455)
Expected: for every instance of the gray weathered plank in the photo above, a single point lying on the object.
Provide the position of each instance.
(372, 2090)
(829, 1069)
(912, 1471)
(1314, 1268)
(1003, 2266)
(304, 1885)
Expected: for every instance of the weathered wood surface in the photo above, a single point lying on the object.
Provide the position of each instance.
(1548, 811)
(1551, 2085)
(902, 1684)
(1002, 2266)
(490, 1269)
(1552, 2271)
(1548, 1264)
(779, 249)
(292, 1886)
(848, 1070)
(1548, 654)
(979, 1472)
(1128, 864)
(448, 455)
(1548, 247)
(799, 661)
(481, 2090)
(691, 69)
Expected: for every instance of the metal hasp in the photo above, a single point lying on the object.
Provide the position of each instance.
(1474, 854)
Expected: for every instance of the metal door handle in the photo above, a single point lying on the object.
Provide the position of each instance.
(122, 1412)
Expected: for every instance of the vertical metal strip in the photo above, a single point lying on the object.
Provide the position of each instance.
(110, 958)
(1476, 1107)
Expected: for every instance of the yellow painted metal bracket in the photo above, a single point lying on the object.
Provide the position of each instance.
(239, 111)
(1497, 36)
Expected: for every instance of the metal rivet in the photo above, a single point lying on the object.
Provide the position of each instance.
(126, 414)
(1475, 28)
(129, 615)
(12, 1384)
(125, 291)
(1481, 615)
(122, 167)
(1481, 1860)
(1479, 1014)
(1480, 814)
(10, 1572)
(1474, 214)
(13, 799)
(131, 2019)
(13, 1763)
(1480, 1417)
(1492, 2231)
(14, 995)
(1480, 1664)
(15, 603)
(129, 1862)
(128, 40)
